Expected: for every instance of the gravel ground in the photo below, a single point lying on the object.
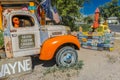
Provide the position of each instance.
(115, 28)
(98, 65)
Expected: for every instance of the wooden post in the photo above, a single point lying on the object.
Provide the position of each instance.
(42, 21)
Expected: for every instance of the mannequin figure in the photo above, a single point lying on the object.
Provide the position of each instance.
(16, 22)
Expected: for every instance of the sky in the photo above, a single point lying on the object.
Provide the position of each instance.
(89, 7)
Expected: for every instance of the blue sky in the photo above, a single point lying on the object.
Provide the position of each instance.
(90, 7)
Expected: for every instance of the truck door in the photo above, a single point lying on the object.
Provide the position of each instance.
(25, 35)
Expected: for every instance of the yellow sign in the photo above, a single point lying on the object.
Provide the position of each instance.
(1, 28)
(31, 4)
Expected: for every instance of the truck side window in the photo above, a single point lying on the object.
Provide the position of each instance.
(22, 21)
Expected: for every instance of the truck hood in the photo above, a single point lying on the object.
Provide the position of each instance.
(55, 30)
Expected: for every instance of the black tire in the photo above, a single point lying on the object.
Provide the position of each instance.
(66, 56)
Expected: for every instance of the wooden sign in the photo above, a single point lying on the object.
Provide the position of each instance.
(15, 66)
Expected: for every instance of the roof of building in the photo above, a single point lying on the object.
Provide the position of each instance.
(113, 18)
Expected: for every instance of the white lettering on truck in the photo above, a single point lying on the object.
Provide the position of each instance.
(16, 67)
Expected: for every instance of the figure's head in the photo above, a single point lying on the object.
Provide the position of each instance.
(16, 22)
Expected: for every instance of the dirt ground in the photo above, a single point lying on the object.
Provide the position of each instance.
(98, 65)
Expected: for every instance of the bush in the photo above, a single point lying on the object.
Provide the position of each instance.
(85, 27)
(99, 29)
(1, 39)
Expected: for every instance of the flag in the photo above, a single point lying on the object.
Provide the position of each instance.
(51, 12)
(55, 15)
(46, 4)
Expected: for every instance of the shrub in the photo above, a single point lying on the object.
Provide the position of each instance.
(99, 29)
(1, 39)
(85, 27)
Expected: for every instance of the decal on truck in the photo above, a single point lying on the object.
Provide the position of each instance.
(26, 41)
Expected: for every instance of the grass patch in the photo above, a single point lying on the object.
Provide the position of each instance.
(54, 69)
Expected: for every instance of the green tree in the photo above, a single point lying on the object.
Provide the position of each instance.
(68, 10)
(110, 9)
(89, 19)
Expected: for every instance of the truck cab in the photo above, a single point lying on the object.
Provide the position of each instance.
(25, 39)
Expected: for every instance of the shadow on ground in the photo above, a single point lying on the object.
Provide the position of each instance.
(36, 61)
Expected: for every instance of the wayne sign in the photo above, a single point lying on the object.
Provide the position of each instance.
(15, 66)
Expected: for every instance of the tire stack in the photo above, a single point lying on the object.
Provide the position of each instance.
(101, 42)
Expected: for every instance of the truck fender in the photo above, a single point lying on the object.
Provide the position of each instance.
(50, 46)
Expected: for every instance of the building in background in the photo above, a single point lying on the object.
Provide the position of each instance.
(113, 20)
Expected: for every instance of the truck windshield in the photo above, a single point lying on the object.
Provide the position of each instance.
(22, 21)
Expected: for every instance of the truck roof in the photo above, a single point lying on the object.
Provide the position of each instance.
(16, 3)
(16, 0)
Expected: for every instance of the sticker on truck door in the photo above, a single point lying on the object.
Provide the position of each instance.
(26, 41)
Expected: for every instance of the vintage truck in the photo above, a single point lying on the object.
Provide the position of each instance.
(31, 38)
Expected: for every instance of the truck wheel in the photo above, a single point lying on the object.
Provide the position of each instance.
(66, 56)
